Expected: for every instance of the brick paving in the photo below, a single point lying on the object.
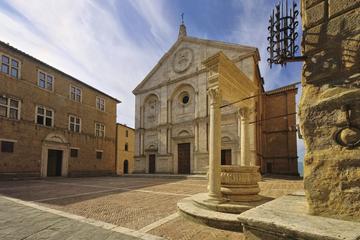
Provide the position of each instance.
(18, 222)
(133, 203)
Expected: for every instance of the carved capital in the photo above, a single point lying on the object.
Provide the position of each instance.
(243, 112)
(214, 96)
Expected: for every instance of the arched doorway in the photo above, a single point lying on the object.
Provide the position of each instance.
(126, 167)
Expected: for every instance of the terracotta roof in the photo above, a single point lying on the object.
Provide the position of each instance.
(8, 46)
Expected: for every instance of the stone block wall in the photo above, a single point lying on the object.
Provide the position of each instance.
(331, 90)
(29, 137)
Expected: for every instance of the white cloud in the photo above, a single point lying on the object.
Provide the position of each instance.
(86, 39)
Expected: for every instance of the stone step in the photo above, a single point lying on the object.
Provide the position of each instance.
(227, 221)
(227, 206)
(166, 176)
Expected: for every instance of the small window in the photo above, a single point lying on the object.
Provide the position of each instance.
(99, 130)
(127, 133)
(99, 155)
(9, 108)
(126, 147)
(45, 80)
(7, 146)
(44, 116)
(75, 93)
(74, 124)
(100, 104)
(10, 66)
(184, 98)
(74, 152)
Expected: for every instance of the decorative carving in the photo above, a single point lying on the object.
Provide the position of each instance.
(215, 96)
(349, 135)
(182, 60)
(243, 112)
(56, 138)
(240, 183)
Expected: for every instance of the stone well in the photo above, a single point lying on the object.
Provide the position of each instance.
(240, 183)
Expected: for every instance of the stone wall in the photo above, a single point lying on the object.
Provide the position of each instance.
(331, 87)
(27, 156)
(121, 153)
(279, 154)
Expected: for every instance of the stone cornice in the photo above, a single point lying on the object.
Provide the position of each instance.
(248, 52)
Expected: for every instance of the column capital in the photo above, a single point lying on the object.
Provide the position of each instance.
(215, 95)
(243, 112)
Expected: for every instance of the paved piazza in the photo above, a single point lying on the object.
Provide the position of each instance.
(110, 208)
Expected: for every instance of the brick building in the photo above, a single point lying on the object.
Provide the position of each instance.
(125, 140)
(277, 146)
(52, 124)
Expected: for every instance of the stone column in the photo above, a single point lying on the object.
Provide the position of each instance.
(252, 137)
(244, 161)
(214, 183)
(238, 151)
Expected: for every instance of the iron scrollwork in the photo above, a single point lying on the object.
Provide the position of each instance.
(282, 35)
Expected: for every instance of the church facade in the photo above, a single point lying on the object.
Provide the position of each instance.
(172, 114)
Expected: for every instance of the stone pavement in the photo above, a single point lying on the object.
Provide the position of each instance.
(18, 221)
(140, 205)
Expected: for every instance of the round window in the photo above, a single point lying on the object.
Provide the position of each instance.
(185, 99)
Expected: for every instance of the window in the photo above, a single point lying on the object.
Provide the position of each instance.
(99, 155)
(184, 98)
(75, 93)
(74, 124)
(44, 116)
(99, 130)
(10, 66)
(74, 152)
(100, 104)
(45, 80)
(126, 147)
(7, 146)
(127, 133)
(9, 108)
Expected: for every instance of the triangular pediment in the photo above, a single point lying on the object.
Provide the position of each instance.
(186, 57)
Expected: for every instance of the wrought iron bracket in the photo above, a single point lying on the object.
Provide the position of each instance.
(342, 135)
(282, 35)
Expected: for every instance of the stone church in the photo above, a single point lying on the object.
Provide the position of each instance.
(172, 114)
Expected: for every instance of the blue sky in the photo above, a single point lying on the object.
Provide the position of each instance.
(113, 44)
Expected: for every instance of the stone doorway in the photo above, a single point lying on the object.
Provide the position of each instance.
(54, 165)
(55, 153)
(226, 157)
(126, 167)
(152, 165)
(184, 158)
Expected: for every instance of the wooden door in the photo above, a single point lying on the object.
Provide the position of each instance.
(126, 167)
(184, 158)
(54, 163)
(226, 157)
(152, 163)
(269, 167)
